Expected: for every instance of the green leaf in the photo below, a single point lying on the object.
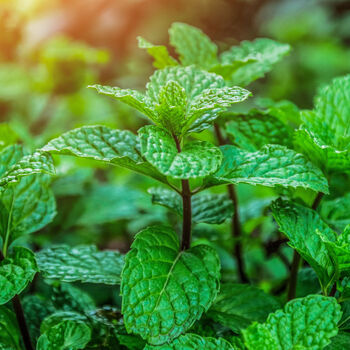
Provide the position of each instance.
(238, 305)
(133, 98)
(16, 271)
(193, 341)
(166, 290)
(36, 309)
(36, 163)
(197, 159)
(172, 107)
(9, 156)
(193, 46)
(253, 131)
(208, 208)
(101, 143)
(336, 212)
(264, 53)
(65, 335)
(9, 332)
(82, 263)
(67, 297)
(295, 326)
(339, 250)
(160, 54)
(273, 165)
(339, 342)
(205, 107)
(26, 207)
(326, 133)
(303, 227)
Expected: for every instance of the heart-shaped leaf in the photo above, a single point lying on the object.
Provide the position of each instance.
(166, 290)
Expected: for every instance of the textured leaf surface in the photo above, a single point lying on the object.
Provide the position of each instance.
(253, 131)
(273, 165)
(104, 144)
(193, 341)
(193, 46)
(303, 227)
(295, 326)
(26, 206)
(208, 208)
(265, 54)
(238, 305)
(37, 163)
(160, 54)
(10, 156)
(65, 335)
(197, 159)
(326, 132)
(16, 271)
(166, 290)
(82, 263)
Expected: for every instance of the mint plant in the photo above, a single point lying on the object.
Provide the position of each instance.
(175, 290)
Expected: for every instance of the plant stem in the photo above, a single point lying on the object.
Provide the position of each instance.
(296, 258)
(186, 208)
(235, 222)
(17, 306)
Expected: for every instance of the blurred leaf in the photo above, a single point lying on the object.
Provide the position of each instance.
(82, 263)
(9, 332)
(238, 305)
(208, 208)
(193, 46)
(160, 54)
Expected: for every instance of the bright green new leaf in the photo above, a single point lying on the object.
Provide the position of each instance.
(208, 208)
(66, 335)
(82, 263)
(26, 207)
(199, 96)
(193, 341)
(325, 135)
(160, 54)
(273, 165)
(238, 305)
(101, 143)
(193, 46)
(304, 324)
(16, 271)
(304, 227)
(256, 129)
(264, 53)
(172, 107)
(9, 332)
(196, 159)
(165, 290)
(36, 163)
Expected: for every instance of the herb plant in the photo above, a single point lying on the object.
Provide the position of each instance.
(175, 291)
